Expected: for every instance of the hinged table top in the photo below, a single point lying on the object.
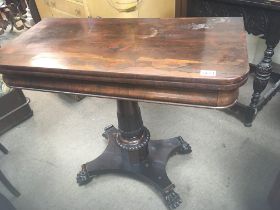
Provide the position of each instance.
(173, 49)
(204, 53)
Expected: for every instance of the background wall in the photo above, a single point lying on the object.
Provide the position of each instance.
(105, 8)
(147, 8)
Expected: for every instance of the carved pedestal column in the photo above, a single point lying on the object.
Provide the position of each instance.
(130, 151)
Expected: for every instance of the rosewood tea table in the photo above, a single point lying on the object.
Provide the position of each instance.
(190, 61)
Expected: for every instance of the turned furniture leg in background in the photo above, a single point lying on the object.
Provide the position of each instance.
(262, 76)
(130, 151)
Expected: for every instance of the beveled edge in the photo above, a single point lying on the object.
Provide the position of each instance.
(129, 99)
(149, 81)
(187, 97)
(53, 72)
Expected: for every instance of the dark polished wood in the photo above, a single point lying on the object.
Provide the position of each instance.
(169, 95)
(126, 58)
(190, 61)
(130, 151)
(261, 18)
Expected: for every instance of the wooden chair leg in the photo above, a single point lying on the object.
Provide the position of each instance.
(3, 149)
(8, 185)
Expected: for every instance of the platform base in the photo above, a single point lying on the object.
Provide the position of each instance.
(150, 169)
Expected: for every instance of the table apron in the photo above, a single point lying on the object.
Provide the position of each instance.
(180, 96)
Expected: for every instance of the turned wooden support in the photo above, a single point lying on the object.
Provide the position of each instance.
(130, 122)
(262, 76)
(133, 137)
(130, 151)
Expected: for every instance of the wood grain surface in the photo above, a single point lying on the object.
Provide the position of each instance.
(184, 55)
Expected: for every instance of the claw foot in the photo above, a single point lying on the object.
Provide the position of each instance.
(105, 135)
(185, 147)
(172, 199)
(83, 177)
(107, 130)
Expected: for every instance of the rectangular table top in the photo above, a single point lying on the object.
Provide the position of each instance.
(187, 54)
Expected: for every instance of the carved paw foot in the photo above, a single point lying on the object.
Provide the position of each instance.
(83, 177)
(185, 147)
(172, 199)
(107, 130)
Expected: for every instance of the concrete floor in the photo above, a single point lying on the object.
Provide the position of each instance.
(231, 168)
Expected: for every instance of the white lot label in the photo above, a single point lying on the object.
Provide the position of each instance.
(208, 73)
